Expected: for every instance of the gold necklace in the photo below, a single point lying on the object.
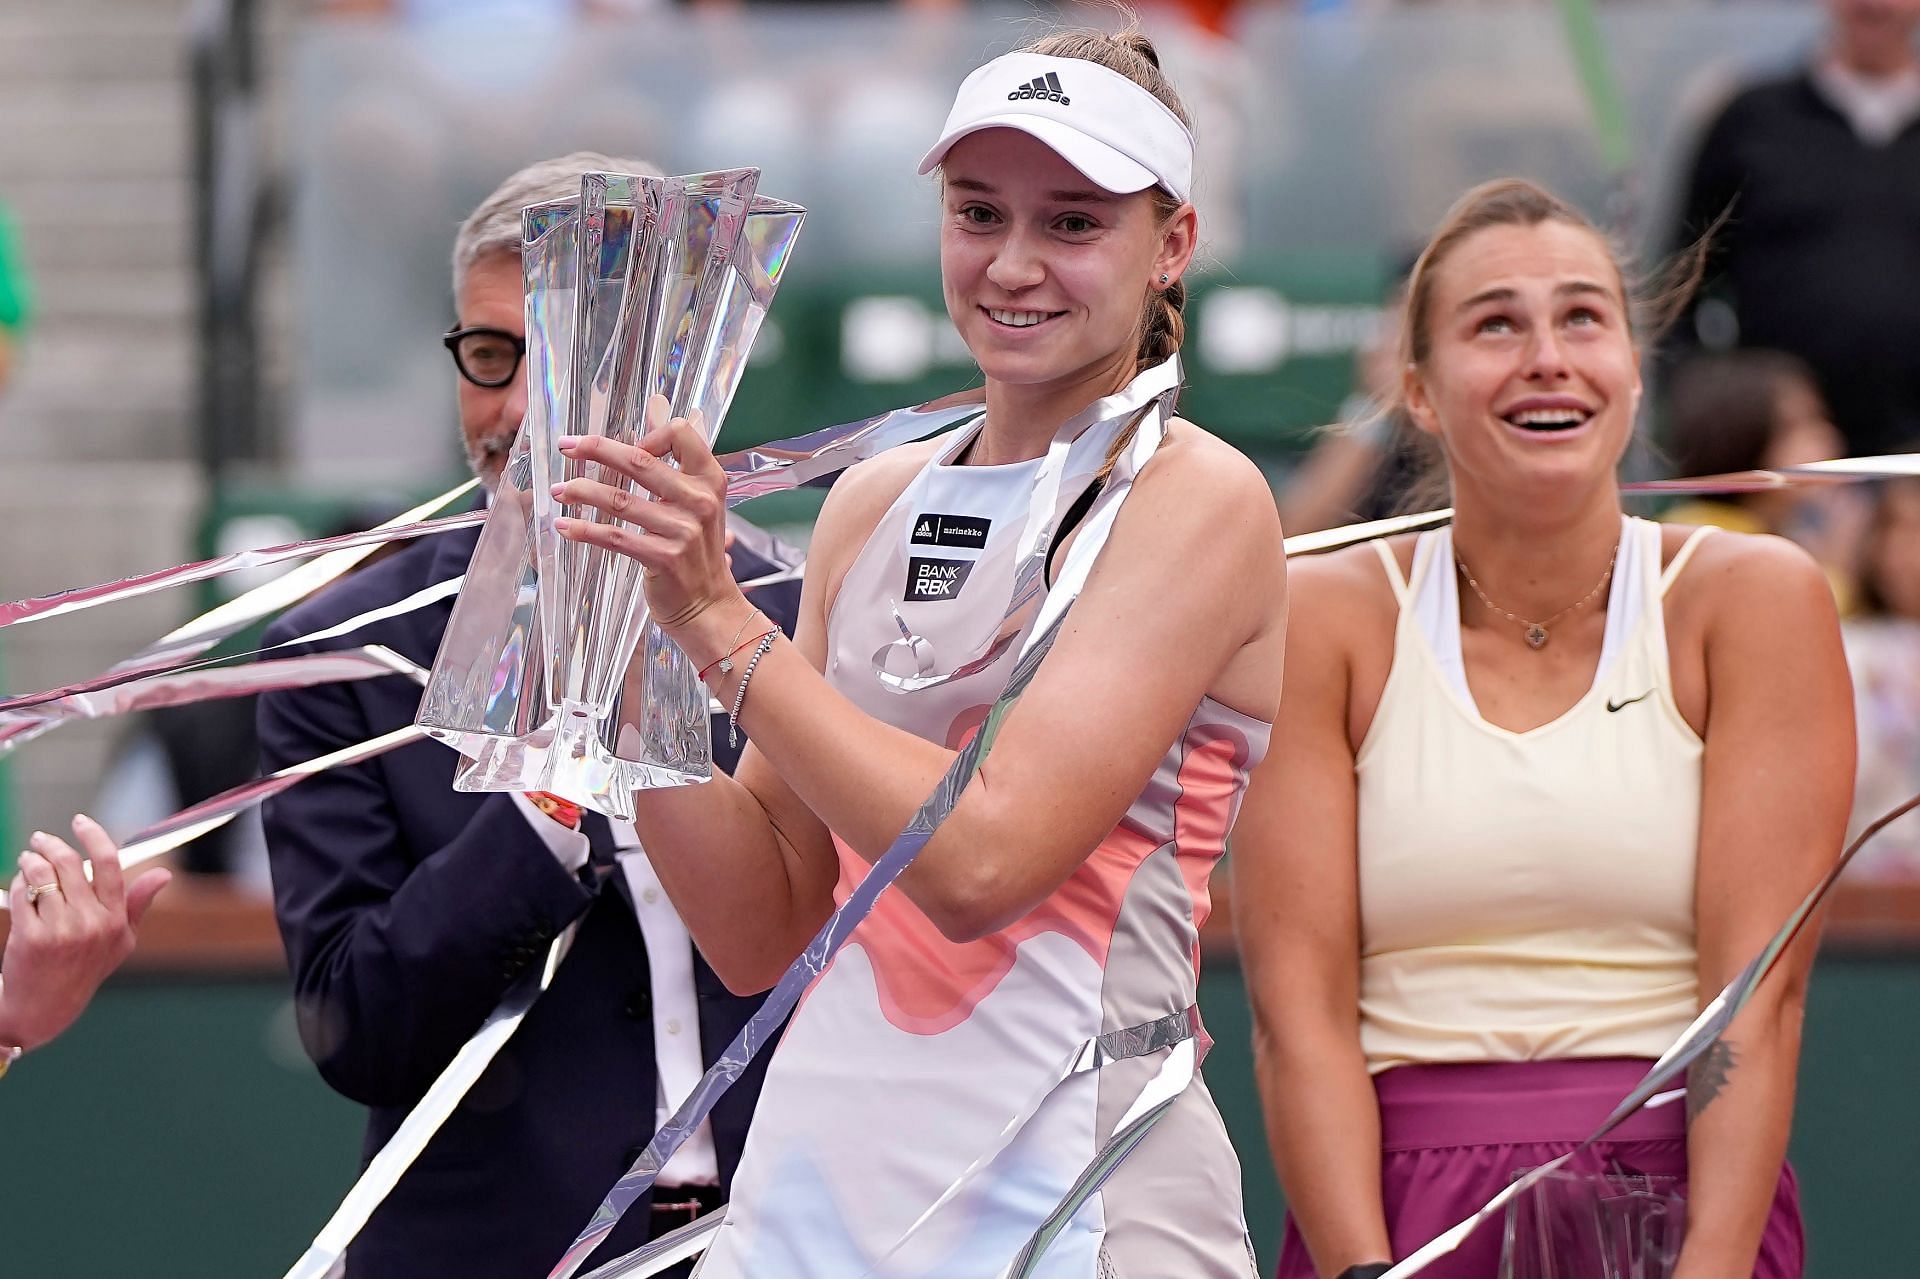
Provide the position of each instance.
(1537, 631)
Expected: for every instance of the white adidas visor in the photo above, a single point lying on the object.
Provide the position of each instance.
(1109, 128)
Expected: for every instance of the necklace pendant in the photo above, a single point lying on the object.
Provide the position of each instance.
(1537, 636)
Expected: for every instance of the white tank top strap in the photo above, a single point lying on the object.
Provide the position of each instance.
(1431, 604)
(1684, 554)
(1392, 564)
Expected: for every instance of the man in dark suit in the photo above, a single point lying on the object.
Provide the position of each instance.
(408, 908)
(1817, 174)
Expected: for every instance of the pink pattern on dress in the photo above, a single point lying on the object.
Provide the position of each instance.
(927, 984)
(1210, 781)
(1210, 786)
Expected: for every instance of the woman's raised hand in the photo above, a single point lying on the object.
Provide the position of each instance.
(681, 539)
(67, 934)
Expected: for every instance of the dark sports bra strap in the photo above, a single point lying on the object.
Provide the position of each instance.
(1069, 521)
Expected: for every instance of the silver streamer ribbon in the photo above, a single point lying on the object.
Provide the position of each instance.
(197, 683)
(1118, 1045)
(772, 468)
(1172, 1031)
(1704, 1031)
(223, 621)
(177, 650)
(790, 565)
(803, 459)
(372, 661)
(190, 824)
(326, 1255)
(1154, 1101)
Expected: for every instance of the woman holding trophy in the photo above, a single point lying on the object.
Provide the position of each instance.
(953, 1081)
(1543, 782)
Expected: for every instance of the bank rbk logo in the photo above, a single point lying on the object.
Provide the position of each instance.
(929, 579)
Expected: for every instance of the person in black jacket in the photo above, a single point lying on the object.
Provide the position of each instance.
(408, 908)
(1818, 174)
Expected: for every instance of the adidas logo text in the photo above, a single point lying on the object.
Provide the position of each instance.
(1046, 86)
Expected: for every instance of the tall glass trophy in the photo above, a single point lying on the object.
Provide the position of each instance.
(1595, 1225)
(551, 676)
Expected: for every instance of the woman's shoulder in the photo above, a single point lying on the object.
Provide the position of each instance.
(1745, 580)
(1192, 452)
(1345, 594)
(866, 489)
(1727, 566)
(855, 505)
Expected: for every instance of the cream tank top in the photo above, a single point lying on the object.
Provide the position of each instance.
(1527, 896)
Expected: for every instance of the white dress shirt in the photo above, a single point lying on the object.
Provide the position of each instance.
(1879, 108)
(676, 1004)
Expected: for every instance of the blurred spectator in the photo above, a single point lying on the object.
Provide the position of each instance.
(1820, 172)
(1365, 466)
(1883, 650)
(1761, 410)
(16, 298)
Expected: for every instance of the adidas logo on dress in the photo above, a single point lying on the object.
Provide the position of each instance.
(1046, 86)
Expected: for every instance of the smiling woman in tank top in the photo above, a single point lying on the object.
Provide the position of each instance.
(1542, 782)
(1060, 902)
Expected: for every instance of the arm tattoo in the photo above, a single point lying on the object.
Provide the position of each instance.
(1707, 1077)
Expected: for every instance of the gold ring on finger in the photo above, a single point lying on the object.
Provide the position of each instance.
(36, 891)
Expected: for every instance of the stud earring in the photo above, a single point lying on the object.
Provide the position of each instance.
(1163, 277)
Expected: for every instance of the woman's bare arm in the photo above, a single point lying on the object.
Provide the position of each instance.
(1297, 913)
(1778, 780)
(748, 866)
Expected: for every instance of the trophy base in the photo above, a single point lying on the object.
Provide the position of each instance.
(574, 765)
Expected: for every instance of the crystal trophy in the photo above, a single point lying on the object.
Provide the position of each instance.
(551, 676)
(1593, 1225)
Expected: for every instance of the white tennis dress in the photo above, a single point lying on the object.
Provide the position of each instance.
(914, 1062)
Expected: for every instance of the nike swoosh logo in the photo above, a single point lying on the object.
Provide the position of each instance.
(1616, 706)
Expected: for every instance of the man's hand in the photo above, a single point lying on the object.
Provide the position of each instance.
(70, 936)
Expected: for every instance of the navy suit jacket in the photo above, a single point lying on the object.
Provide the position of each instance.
(408, 908)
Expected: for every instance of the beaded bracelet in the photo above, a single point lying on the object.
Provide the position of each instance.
(740, 694)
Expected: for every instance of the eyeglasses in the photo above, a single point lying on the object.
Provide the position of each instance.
(485, 357)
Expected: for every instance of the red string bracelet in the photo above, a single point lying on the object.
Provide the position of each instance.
(725, 663)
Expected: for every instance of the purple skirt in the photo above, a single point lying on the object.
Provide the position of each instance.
(1453, 1136)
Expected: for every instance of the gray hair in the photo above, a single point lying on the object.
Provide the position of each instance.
(494, 227)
